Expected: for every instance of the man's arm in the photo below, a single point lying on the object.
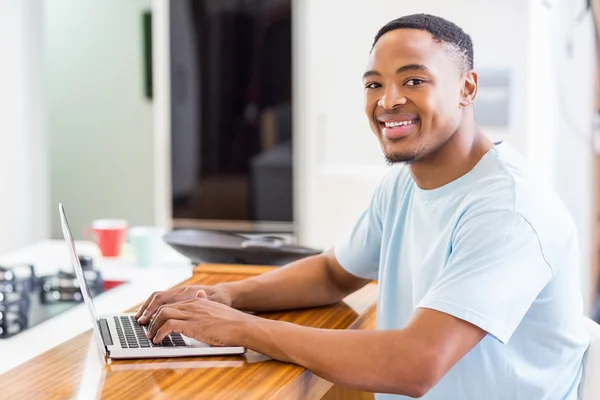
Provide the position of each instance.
(310, 282)
(409, 361)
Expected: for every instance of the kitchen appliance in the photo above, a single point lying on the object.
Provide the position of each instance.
(27, 299)
(206, 246)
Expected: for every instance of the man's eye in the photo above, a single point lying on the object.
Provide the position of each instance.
(373, 85)
(414, 82)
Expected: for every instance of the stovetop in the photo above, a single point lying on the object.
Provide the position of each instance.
(27, 299)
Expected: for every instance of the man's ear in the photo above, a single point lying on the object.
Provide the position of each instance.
(469, 89)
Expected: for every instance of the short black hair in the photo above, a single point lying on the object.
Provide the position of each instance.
(442, 30)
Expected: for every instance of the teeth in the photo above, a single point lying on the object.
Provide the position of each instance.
(399, 123)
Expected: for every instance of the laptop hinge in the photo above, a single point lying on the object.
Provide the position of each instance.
(105, 332)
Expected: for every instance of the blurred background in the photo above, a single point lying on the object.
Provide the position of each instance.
(246, 115)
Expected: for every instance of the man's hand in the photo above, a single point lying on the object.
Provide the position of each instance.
(202, 319)
(148, 309)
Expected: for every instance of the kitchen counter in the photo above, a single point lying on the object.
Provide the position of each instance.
(52, 255)
(76, 369)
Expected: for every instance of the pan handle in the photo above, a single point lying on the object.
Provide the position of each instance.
(266, 242)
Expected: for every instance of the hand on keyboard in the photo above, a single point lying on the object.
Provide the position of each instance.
(204, 320)
(131, 335)
(148, 309)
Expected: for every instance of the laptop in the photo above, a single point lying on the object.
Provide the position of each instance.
(120, 336)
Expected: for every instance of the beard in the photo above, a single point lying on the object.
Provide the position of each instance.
(411, 149)
(407, 159)
(417, 149)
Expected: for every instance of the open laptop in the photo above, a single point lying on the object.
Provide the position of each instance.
(120, 336)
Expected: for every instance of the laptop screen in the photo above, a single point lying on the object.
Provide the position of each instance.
(87, 297)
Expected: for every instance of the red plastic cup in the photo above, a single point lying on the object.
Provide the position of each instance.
(110, 235)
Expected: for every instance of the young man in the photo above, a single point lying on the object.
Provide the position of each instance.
(477, 265)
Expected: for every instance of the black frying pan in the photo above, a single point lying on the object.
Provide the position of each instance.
(206, 246)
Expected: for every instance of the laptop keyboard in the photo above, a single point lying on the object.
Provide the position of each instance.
(133, 335)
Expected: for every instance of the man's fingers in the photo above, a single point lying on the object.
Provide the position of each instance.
(143, 307)
(201, 294)
(170, 326)
(159, 299)
(164, 313)
(156, 321)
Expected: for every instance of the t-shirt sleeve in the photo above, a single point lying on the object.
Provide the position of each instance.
(358, 252)
(495, 271)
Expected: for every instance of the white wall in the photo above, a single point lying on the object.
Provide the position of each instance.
(560, 103)
(24, 191)
(100, 124)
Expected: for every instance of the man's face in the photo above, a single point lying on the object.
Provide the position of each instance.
(413, 90)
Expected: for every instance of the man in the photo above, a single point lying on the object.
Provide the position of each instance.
(477, 265)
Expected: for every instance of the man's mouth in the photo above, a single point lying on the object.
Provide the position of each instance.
(395, 129)
(394, 124)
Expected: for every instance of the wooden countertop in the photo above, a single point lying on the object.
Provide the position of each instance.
(75, 369)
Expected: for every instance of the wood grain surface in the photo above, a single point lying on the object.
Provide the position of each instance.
(75, 369)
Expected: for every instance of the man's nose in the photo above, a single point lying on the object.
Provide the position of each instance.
(392, 97)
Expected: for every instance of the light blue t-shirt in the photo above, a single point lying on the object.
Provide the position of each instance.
(493, 248)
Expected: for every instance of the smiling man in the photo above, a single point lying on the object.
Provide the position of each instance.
(477, 264)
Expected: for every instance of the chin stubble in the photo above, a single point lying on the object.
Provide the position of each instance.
(400, 158)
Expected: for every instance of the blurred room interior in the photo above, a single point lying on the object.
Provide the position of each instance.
(246, 115)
